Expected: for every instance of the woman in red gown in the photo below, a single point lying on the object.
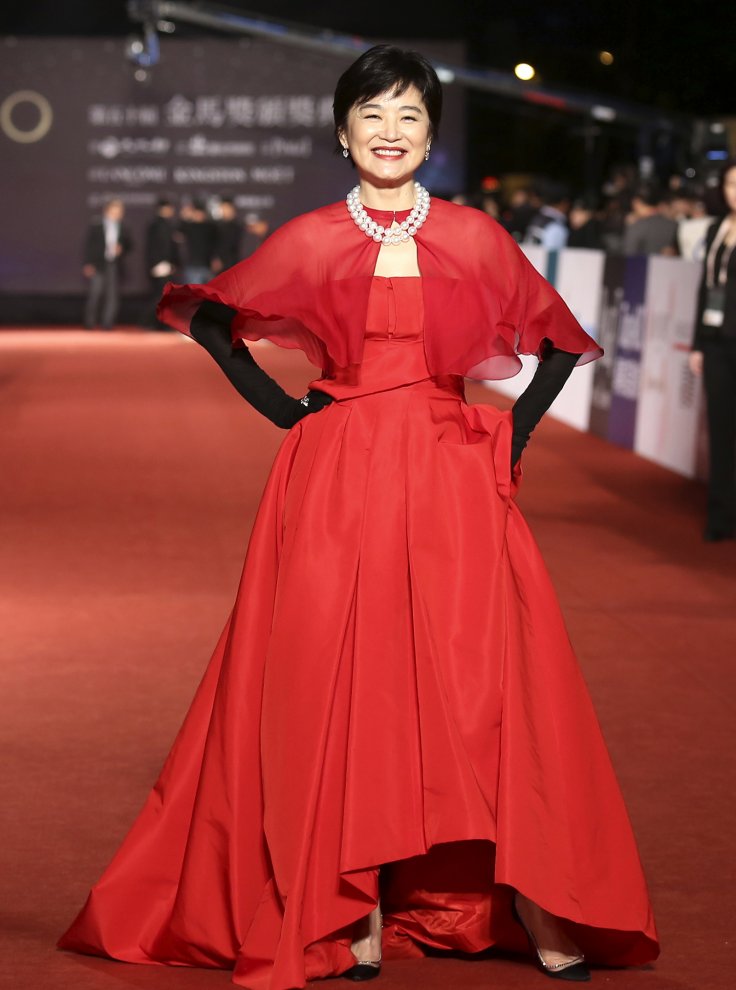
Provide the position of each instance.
(392, 747)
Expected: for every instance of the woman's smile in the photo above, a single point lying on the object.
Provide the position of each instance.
(389, 152)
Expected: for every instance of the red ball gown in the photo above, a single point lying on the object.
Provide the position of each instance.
(395, 687)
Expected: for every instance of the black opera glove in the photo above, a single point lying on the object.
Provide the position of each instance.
(538, 396)
(210, 327)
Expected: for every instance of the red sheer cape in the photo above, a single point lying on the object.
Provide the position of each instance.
(307, 287)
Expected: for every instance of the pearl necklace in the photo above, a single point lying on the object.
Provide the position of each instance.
(385, 235)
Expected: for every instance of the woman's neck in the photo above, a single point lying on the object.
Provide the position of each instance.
(395, 197)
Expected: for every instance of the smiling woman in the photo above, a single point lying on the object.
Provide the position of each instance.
(389, 96)
(387, 110)
(392, 748)
(390, 131)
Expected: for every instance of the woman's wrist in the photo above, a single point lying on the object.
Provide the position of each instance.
(312, 402)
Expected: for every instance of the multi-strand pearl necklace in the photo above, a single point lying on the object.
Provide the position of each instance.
(386, 235)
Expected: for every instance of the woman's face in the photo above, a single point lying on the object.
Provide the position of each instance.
(388, 136)
(729, 189)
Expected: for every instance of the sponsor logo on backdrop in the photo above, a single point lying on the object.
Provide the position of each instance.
(641, 393)
(16, 106)
(627, 359)
(612, 294)
(669, 394)
(216, 117)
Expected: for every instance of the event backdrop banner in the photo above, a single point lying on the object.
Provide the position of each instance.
(641, 394)
(612, 294)
(247, 118)
(577, 275)
(580, 283)
(513, 387)
(625, 381)
(669, 395)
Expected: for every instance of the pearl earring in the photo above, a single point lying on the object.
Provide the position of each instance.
(426, 153)
(345, 152)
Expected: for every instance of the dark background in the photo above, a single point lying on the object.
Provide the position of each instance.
(184, 133)
(676, 56)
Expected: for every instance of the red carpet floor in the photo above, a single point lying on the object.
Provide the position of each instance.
(129, 477)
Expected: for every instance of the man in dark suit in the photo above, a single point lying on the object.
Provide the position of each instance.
(228, 237)
(198, 243)
(162, 256)
(107, 243)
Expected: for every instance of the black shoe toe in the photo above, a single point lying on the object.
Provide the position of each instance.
(361, 972)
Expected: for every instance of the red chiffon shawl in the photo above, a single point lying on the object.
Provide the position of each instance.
(307, 287)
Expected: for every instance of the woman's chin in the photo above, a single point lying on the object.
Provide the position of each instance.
(387, 173)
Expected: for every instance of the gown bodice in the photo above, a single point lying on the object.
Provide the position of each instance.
(393, 354)
(395, 310)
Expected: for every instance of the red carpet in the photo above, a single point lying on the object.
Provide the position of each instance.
(130, 475)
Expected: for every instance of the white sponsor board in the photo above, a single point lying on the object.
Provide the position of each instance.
(579, 282)
(669, 395)
(669, 422)
(513, 387)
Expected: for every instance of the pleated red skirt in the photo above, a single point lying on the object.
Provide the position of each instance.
(394, 689)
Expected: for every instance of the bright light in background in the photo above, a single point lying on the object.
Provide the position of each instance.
(524, 71)
(603, 113)
(445, 75)
(605, 58)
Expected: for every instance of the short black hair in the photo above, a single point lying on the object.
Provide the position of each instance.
(725, 169)
(386, 69)
(649, 193)
(586, 201)
(164, 201)
(715, 196)
(551, 191)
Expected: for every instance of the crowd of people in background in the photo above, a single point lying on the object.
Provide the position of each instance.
(629, 216)
(190, 244)
(196, 240)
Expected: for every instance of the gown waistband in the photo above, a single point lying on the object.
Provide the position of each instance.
(438, 387)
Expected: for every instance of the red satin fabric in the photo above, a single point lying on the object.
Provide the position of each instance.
(309, 284)
(394, 688)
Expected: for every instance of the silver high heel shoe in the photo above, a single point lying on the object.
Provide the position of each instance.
(366, 969)
(574, 970)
